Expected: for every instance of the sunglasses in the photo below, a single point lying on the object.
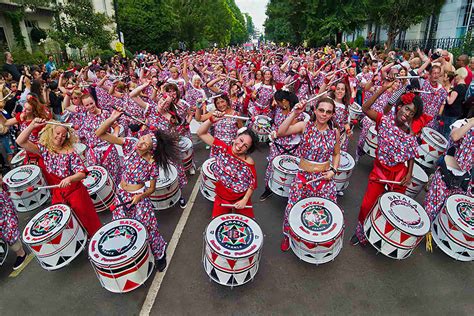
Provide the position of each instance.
(322, 111)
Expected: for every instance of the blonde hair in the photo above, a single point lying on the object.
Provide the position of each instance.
(46, 138)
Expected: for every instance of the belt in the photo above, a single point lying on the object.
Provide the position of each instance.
(310, 166)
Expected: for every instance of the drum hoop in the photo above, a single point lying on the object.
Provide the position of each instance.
(452, 197)
(36, 176)
(51, 234)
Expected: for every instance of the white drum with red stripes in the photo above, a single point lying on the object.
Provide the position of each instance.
(121, 256)
(208, 180)
(100, 187)
(18, 159)
(19, 182)
(316, 230)
(55, 236)
(232, 249)
(453, 228)
(433, 145)
(167, 191)
(285, 168)
(355, 112)
(344, 171)
(371, 142)
(418, 180)
(396, 225)
(261, 126)
(186, 148)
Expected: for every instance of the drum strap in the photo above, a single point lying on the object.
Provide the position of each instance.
(282, 149)
(107, 152)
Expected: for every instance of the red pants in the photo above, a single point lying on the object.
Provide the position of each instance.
(225, 196)
(376, 188)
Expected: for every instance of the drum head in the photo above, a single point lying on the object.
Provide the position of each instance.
(80, 147)
(346, 163)
(95, 179)
(461, 210)
(372, 130)
(262, 120)
(405, 213)
(22, 176)
(208, 168)
(117, 242)
(185, 143)
(286, 164)
(355, 107)
(19, 157)
(435, 137)
(166, 178)
(316, 219)
(46, 223)
(234, 236)
(420, 174)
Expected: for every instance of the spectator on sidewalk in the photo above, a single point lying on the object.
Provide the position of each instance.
(10, 67)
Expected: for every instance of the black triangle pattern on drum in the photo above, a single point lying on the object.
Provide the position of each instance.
(94, 196)
(32, 202)
(446, 244)
(464, 254)
(328, 254)
(206, 193)
(435, 228)
(281, 189)
(232, 280)
(46, 264)
(367, 233)
(394, 254)
(62, 259)
(42, 196)
(247, 277)
(21, 205)
(214, 274)
(150, 268)
(378, 244)
(78, 246)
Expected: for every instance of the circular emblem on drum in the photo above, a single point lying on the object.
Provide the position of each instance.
(316, 218)
(234, 235)
(46, 223)
(287, 164)
(437, 137)
(95, 178)
(465, 211)
(117, 240)
(411, 216)
(21, 175)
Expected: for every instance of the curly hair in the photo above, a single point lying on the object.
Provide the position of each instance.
(46, 138)
(38, 108)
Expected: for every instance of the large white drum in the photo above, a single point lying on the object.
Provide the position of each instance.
(261, 126)
(419, 179)
(355, 112)
(371, 142)
(232, 248)
(316, 230)
(18, 159)
(208, 180)
(186, 148)
(100, 188)
(396, 225)
(120, 255)
(285, 168)
(344, 171)
(167, 191)
(433, 145)
(453, 228)
(80, 149)
(55, 236)
(19, 180)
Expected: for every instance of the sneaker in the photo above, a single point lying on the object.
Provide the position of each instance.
(192, 171)
(355, 240)
(161, 263)
(182, 202)
(285, 244)
(265, 194)
(20, 261)
(208, 147)
(340, 193)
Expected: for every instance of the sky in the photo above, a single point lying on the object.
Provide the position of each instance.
(256, 9)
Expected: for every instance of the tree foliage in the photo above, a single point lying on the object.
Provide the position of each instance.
(249, 25)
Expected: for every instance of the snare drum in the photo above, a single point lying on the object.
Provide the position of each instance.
(167, 191)
(120, 255)
(186, 148)
(344, 172)
(371, 142)
(419, 179)
(261, 126)
(81, 150)
(433, 145)
(316, 230)
(100, 188)
(453, 228)
(19, 180)
(208, 180)
(232, 249)
(18, 159)
(396, 225)
(55, 236)
(355, 112)
(285, 168)
(3, 251)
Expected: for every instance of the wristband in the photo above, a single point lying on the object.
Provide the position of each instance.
(333, 169)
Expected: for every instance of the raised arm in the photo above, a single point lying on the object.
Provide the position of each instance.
(102, 131)
(366, 107)
(23, 139)
(286, 128)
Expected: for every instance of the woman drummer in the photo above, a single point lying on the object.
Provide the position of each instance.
(342, 99)
(281, 145)
(62, 167)
(397, 146)
(455, 169)
(226, 128)
(141, 164)
(235, 169)
(9, 230)
(319, 144)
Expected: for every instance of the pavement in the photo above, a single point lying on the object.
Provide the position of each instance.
(358, 282)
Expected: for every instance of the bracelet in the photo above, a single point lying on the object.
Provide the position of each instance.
(333, 169)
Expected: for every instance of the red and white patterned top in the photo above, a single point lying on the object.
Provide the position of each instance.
(465, 151)
(316, 145)
(136, 170)
(62, 165)
(432, 101)
(234, 173)
(88, 123)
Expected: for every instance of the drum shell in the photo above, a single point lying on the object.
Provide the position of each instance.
(229, 279)
(18, 159)
(186, 148)
(23, 200)
(341, 178)
(433, 145)
(167, 191)
(371, 142)
(282, 178)
(59, 249)
(355, 112)
(419, 179)
(261, 126)
(208, 180)
(104, 196)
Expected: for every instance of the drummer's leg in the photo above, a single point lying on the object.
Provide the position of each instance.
(81, 203)
(218, 209)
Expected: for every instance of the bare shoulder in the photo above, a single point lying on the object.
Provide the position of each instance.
(249, 160)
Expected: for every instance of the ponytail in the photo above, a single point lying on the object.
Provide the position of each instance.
(166, 150)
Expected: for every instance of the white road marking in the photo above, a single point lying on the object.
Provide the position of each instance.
(159, 276)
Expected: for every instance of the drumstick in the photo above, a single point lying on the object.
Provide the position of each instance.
(232, 205)
(113, 207)
(407, 77)
(290, 83)
(214, 96)
(389, 181)
(68, 125)
(317, 96)
(131, 116)
(31, 189)
(422, 91)
(237, 117)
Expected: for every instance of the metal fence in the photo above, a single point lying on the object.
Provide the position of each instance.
(443, 43)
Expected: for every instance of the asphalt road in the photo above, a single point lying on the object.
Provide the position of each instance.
(358, 282)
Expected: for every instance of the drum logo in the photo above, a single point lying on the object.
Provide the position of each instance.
(46, 223)
(117, 240)
(93, 178)
(466, 213)
(289, 164)
(234, 235)
(21, 176)
(316, 218)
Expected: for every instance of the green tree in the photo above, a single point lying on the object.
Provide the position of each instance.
(399, 15)
(249, 25)
(278, 25)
